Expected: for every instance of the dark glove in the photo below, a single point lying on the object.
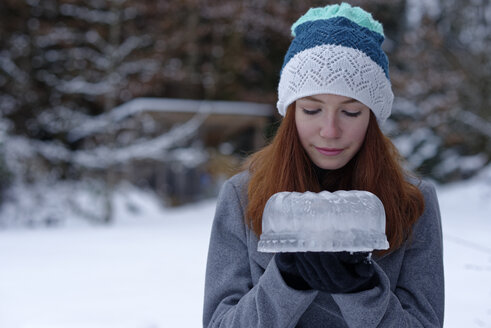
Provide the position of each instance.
(332, 272)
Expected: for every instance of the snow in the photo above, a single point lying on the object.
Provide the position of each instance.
(147, 269)
(466, 219)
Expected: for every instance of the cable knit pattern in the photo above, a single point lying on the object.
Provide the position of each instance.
(338, 70)
(337, 50)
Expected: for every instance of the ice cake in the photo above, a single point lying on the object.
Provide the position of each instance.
(351, 220)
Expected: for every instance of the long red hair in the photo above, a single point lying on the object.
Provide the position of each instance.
(283, 165)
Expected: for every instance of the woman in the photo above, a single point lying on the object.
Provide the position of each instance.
(334, 91)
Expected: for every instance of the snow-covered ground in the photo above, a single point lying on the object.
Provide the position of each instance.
(147, 269)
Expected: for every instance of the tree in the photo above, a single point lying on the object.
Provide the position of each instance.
(442, 77)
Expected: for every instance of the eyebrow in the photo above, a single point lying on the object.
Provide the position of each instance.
(347, 101)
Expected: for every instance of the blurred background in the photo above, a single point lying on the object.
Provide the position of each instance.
(124, 111)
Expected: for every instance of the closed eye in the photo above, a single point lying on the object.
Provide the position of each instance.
(351, 114)
(311, 111)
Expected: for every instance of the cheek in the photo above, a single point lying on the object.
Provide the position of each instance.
(304, 131)
(359, 134)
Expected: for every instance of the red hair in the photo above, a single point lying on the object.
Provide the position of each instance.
(284, 165)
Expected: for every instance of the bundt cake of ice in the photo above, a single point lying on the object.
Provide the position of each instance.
(351, 220)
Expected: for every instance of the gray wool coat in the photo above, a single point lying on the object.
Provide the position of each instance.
(243, 288)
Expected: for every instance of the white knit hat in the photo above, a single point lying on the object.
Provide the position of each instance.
(337, 50)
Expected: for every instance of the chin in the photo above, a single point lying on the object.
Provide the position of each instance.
(330, 163)
(330, 166)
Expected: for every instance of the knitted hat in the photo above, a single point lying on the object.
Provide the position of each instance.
(337, 50)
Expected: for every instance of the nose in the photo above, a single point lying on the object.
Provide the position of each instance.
(330, 128)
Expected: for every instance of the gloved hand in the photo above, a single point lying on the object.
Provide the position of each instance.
(332, 272)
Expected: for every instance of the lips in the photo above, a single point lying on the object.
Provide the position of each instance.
(329, 151)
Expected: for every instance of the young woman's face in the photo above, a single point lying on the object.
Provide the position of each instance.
(331, 128)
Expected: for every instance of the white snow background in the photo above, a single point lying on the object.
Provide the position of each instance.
(147, 269)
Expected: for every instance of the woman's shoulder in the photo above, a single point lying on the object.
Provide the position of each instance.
(431, 213)
(239, 180)
(426, 187)
(235, 186)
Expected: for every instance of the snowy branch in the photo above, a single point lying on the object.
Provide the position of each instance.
(61, 119)
(56, 36)
(139, 66)
(89, 15)
(130, 44)
(85, 53)
(9, 67)
(19, 148)
(474, 121)
(103, 157)
(80, 86)
(94, 38)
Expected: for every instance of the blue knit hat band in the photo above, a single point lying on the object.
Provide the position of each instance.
(339, 31)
